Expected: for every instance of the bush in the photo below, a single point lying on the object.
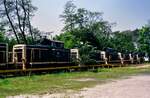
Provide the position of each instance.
(87, 53)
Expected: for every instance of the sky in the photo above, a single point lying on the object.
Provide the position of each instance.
(127, 14)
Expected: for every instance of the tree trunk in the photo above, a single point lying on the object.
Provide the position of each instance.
(19, 22)
(11, 24)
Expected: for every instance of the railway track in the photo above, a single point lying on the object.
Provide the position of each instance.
(63, 68)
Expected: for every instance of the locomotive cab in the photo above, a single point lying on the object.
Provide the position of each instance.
(3, 54)
(19, 55)
(39, 56)
(26, 55)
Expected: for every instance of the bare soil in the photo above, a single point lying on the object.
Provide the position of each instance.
(132, 87)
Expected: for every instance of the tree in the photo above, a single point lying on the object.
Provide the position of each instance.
(122, 41)
(68, 16)
(85, 26)
(68, 39)
(2, 37)
(2, 33)
(87, 56)
(144, 39)
(85, 30)
(18, 13)
(11, 42)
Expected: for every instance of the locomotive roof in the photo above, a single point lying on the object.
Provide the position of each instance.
(47, 41)
(110, 50)
(3, 44)
(32, 46)
(51, 43)
(44, 43)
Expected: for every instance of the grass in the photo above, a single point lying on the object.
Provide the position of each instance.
(61, 82)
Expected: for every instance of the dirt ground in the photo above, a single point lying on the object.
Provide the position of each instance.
(133, 87)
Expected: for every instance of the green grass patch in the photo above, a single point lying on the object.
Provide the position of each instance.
(61, 82)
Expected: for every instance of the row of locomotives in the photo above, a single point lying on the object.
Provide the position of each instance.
(113, 56)
(47, 54)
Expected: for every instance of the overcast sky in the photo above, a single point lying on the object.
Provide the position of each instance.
(128, 14)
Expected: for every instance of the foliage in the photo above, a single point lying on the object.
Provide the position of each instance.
(16, 14)
(86, 54)
(11, 42)
(68, 16)
(122, 41)
(2, 33)
(68, 39)
(2, 37)
(144, 39)
(84, 26)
